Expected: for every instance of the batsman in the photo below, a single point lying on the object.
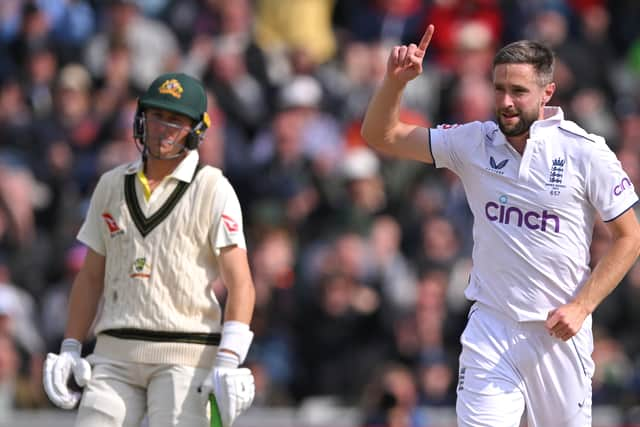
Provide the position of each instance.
(159, 231)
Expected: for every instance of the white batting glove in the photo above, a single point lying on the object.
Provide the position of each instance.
(233, 387)
(57, 372)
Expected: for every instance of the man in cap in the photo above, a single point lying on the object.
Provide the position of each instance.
(159, 231)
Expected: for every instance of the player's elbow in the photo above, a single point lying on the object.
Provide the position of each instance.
(636, 242)
(377, 139)
(368, 134)
(632, 237)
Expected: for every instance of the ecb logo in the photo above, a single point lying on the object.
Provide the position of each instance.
(556, 175)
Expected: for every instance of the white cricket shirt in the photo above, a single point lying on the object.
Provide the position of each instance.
(533, 214)
(160, 257)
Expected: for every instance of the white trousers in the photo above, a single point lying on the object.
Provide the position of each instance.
(508, 367)
(119, 394)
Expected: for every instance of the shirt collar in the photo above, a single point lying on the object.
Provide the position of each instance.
(552, 116)
(183, 172)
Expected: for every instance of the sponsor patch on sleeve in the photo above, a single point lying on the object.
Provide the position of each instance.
(230, 224)
(447, 126)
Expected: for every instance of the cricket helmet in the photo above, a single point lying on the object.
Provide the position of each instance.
(178, 93)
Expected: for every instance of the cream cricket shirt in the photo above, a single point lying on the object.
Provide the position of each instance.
(161, 257)
(533, 214)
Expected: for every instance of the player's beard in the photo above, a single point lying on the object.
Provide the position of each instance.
(521, 127)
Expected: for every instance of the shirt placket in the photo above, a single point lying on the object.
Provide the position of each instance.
(527, 156)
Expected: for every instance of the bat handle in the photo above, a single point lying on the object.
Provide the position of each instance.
(216, 421)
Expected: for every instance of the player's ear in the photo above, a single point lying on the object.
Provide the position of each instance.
(549, 90)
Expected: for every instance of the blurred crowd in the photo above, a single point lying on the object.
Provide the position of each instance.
(359, 261)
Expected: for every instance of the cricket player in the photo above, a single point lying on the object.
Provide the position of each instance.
(536, 183)
(159, 231)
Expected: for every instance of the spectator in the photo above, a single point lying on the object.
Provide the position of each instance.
(340, 339)
(281, 27)
(397, 276)
(151, 43)
(392, 399)
(365, 193)
(53, 318)
(9, 373)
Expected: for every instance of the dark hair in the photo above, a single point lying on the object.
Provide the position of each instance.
(528, 52)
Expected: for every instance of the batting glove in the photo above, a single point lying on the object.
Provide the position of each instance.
(57, 373)
(233, 387)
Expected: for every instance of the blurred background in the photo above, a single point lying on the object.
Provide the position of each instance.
(359, 261)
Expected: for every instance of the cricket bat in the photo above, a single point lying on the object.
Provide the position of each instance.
(216, 421)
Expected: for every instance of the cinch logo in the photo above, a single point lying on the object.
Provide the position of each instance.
(618, 189)
(515, 216)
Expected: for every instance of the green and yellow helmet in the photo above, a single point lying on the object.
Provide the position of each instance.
(178, 93)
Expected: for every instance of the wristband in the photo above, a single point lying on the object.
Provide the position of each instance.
(236, 337)
(71, 345)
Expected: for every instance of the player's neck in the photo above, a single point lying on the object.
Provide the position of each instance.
(157, 169)
(518, 143)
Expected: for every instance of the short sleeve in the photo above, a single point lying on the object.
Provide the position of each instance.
(450, 144)
(608, 186)
(227, 225)
(90, 233)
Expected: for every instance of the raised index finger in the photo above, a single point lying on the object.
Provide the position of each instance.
(426, 38)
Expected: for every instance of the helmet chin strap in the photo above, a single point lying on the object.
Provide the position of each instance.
(146, 152)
